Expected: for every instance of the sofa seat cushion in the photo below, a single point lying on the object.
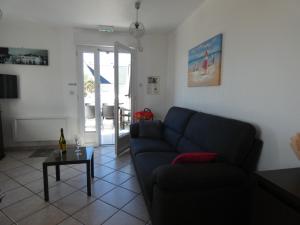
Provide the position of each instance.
(140, 145)
(146, 163)
(203, 176)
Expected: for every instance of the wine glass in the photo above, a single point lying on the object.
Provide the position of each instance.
(77, 143)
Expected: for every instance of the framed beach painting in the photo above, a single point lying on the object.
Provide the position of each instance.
(204, 63)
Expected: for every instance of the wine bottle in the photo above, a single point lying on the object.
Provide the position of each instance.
(62, 141)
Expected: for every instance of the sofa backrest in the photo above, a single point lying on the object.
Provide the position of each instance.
(232, 139)
(175, 123)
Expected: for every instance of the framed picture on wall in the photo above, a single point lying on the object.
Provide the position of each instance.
(204, 65)
(153, 85)
(24, 56)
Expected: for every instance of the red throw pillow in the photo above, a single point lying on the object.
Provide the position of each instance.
(195, 157)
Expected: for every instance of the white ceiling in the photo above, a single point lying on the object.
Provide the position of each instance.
(157, 15)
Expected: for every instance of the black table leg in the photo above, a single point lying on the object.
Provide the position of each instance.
(88, 177)
(45, 176)
(57, 172)
(92, 166)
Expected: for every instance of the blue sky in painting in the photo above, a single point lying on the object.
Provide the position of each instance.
(213, 45)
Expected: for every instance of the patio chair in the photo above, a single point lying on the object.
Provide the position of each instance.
(108, 112)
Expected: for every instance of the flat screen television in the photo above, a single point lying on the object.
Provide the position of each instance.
(8, 86)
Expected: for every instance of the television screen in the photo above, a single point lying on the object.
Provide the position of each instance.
(8, 86)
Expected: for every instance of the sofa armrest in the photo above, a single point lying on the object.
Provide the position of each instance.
(201, 176)
(134, 130)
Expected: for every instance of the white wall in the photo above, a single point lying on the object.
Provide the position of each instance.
(44, 91)
(260, 77)
(41, 90)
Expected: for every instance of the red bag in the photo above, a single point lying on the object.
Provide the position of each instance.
(143, 115)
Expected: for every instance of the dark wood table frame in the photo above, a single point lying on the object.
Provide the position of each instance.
(89, 172)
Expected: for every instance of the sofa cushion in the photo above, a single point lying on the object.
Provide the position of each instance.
(199, 176)
(140, 145)
(230, 138)
(177, 118)
(195, 157)
(150, 129)
(175, 123)
(146, 163)
(171, 136)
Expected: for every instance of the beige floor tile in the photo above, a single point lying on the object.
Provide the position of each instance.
(4, 220)
(37, 166)
(95, 213)
(100, 188)
(37, 163)
(111, 154)
(137, 207)
(25, 207)
(102, 171)
(117, 177)
(106, 150)
(47, 216)
(52, 170)
(8, 159)
(69, 173)
(79, 181)
(128, 169)
(70, 221)
(29, 177)
(20, 171)
(74, 202)
(58, 192)
(15, 195)
(38, 185)
(9, 184)
(3, 177)
(102, 159)
(122, 218)
(117, 164)
(30, 209)
(34, 160)
(118, 197)
(10, 165)
(81, 167)
(125, 157)
(132, 184)
(19, 155)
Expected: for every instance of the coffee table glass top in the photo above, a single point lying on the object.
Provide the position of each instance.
(56, 157)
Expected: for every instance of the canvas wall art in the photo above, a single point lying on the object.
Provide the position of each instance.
(204, 66)
(23, 56)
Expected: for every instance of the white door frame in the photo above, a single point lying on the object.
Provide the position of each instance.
(88, 136)
(118, 46)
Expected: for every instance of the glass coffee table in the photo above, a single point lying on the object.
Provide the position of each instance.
(86, 155)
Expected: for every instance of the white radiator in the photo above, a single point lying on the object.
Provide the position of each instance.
(38, 129)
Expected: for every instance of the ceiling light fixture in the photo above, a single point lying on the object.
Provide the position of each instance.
(137, 29)
(105, 28)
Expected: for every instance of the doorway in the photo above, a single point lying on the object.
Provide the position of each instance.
(107, 97)
(105, 105)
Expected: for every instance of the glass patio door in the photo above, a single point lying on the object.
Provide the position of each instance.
(89, 95)
(123, 92)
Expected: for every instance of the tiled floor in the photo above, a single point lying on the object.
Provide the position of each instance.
(116, 196)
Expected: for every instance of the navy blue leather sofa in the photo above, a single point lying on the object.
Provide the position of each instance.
(202, 193)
